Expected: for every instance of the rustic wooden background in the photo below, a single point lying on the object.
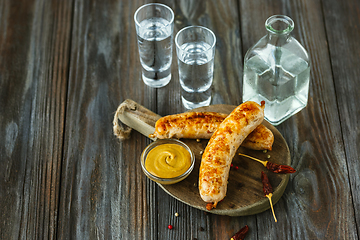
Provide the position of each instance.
(66, 65)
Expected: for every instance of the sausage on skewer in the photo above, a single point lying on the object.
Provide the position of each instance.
(221, 148)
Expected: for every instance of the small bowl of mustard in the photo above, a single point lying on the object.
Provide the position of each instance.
(167, 161)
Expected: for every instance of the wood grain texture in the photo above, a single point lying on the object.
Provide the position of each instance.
(319, 192)
(103, 193)
(34, 46)
(223, 20)
(342, 23)
(66, 65)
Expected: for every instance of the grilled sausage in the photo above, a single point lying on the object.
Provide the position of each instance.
(261, 138)
(195, 125)
(201, 125)
(221, 148)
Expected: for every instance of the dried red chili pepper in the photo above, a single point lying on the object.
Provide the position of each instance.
(277, 168)
(267, 189)
(240, 235)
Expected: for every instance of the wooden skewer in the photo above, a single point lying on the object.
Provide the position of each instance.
(272, 208)
(258, 160)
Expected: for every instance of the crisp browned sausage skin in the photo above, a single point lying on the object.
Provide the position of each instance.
(221, 148)
(201, 125)
(195, 125)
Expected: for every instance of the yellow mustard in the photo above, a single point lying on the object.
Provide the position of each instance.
(168, 160)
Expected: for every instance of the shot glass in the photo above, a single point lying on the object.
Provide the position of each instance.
(154, 24)
(195, 48)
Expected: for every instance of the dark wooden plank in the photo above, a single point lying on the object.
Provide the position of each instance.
(34, 47)
(342, 22)
(103, 191)
(318, 201)
(223, 19)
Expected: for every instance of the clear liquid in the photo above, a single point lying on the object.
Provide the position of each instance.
(155, 50)
(196, 74)
(284, 96)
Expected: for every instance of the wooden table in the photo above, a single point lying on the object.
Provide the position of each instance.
(66, 65)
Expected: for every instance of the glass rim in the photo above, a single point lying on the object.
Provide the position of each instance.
(154, 4)
(287, 20)
(205, 28)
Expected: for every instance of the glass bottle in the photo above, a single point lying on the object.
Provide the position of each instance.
(277, 70)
